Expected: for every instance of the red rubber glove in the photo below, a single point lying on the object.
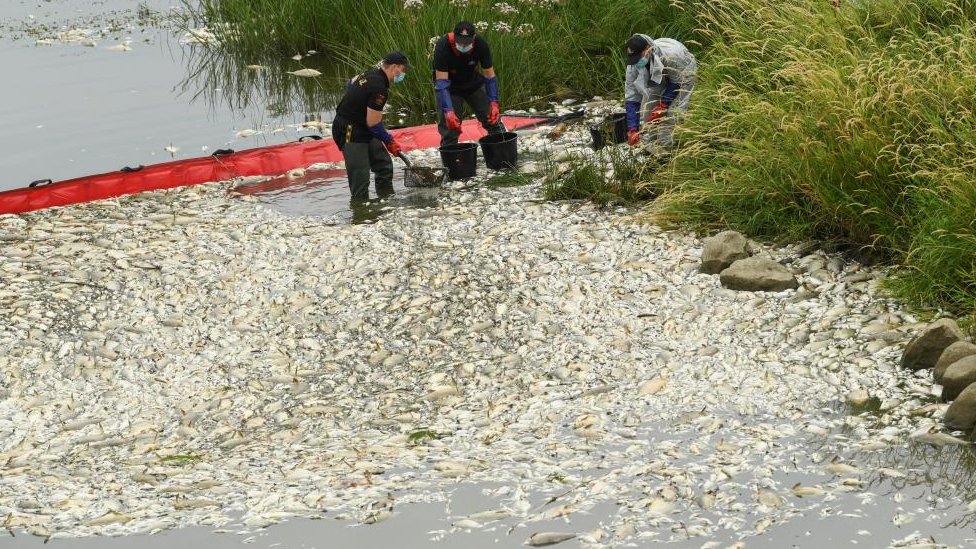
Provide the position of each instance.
(493, 113)
(453, 122)
(393, 147)
(657, 112)
(633, 137)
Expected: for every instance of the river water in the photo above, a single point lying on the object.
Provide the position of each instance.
(72, 110)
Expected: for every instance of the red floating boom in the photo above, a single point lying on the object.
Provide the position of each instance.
(271, 160)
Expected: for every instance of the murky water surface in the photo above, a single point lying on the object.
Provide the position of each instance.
(79, 107)
(72, 109)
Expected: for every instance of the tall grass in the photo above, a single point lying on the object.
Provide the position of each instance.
(851, 125)
(612, 176)
(545, 51)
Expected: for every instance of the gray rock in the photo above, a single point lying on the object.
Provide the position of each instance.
(924, 349)
(758, 274)
(959, 375)
(722, 250)
(962, 412)
(951, 354)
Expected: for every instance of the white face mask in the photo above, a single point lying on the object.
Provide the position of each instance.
(465, 49)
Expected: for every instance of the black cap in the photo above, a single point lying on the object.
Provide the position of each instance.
(463, 33)
(396, 58)
(635, 47)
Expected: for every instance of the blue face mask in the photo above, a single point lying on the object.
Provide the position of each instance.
(642, 62)
(399, 78)
(465, 49)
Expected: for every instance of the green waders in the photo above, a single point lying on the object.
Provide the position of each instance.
(362, 158)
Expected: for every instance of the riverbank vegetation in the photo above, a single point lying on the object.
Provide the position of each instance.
(850, 124)
(545, 50)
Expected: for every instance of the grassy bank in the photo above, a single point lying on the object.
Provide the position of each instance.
(852, 125)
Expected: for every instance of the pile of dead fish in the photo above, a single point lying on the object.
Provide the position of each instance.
(191, 357)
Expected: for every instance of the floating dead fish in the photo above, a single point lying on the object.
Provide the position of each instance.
(839, 468)
(770, 499)
(375, 517)
(541, 539)
(467, 524)
(490, 515)
(931, 435)
(801, 491)
(891, 473)
(305, 73)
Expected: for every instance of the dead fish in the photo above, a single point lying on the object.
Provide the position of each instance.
(934, 437)
(839, 468)
(440, 392)
(652, 386)
(560, 511)
(806, 491)
(182, 503)
(541, 539)
(377, 517)
(892, 473)
(707, 499)
(490, 515)
(80, 423)
(305, 73)
(451, 469)
(769, 499)
(19, 521)
(597, 390)
(112, 517)
(858, 397)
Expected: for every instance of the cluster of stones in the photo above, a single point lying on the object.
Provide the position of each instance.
(729, 255)
(943, 347)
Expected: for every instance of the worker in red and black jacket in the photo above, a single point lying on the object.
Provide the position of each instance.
(458, 56)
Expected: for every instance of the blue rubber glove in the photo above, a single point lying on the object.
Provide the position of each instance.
(491, 88)
(442, 89)
(379, 130)
(633, 114)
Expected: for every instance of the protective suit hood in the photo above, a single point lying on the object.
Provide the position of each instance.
(655, 66)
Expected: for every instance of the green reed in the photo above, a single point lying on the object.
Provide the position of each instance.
(544, 52)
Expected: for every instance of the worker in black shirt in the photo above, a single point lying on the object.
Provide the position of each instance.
(358, 127)
(456, 80)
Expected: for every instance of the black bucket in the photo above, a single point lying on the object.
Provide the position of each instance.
(500, 150)
(460, 159)
(615, 128)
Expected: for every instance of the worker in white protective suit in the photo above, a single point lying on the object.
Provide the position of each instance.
(660, 77)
